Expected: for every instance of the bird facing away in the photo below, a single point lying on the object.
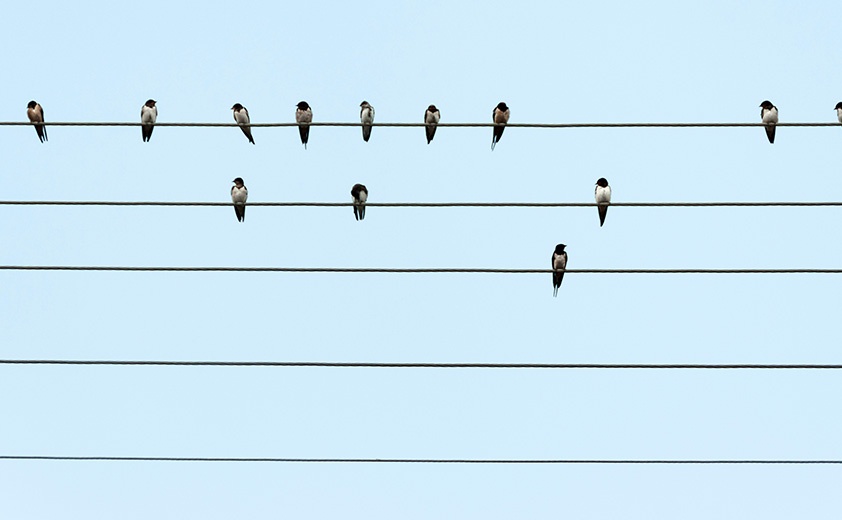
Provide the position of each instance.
(241, 116)
(838, 111)
(559, 264)
(366, 117)
(360, 194)
(239, 195)
(602, 193)
(148, 116)
(304, 116)
(769, 115)
(36, 115)
(431, 118)
(500, 116)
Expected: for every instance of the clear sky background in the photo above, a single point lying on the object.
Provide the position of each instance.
(551, 62)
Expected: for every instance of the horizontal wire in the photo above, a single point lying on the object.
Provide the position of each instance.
(415, 204)
(453, 125)
(420, 461)
(409, 270)
(339, 364)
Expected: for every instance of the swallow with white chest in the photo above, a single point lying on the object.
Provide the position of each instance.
(839, 111)
(239, 196)
(559, 265)
(366, 118)
(148, 116)
(431, 119)
(500, 116)
(241, 116)
(304, 116)
(602, 194)
(36, 115)
(769, 115)
(360, 194)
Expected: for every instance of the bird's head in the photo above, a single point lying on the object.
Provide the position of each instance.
(33, 103)
(237, 107)
(602, 182)
(302, 105)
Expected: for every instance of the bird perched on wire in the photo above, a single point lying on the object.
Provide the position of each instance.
(559, 265)
(36, 115)
(500, 116)
(360, 194)
(241, 116)
(602, 194)
(431, 119)
(769, 115)
(366, 117)
(148, 116)
(304, 116)
(839, 111)
(239, 196)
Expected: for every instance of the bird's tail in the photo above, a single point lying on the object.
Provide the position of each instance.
(603, 211)
(770, 133)
(304, 132)
(366, 132)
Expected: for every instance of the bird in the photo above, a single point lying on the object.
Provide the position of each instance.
(360, 194)
(431, 118)
(769, 115)
(36, 115)
(500, 116)
(148, 116)
(366, 117)
(602, 193)
(241, 116)
(559, 265)
(838, 111)
(239, 195)
(304, 116)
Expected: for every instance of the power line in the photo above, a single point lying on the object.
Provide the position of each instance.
(422, 461)
(451, 125)
(420, 204)
(407, 270)
(339, 364)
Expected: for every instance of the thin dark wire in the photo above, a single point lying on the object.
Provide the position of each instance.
(415, 204)
(420, 461)
(410, 270)
(453, 125)
(339, 364)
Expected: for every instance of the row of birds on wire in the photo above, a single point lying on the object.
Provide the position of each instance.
(359, 196)
(304, 116)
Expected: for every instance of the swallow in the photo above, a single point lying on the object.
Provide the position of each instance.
(366, 117)
(559, 265)
(360, 194)
(769, 115)
(148, 116)
(431, 119)
(36, 115)
(304, 116)
(500, 116)
(602, 193)
(838, 111)
(241, 116)
(239, 195)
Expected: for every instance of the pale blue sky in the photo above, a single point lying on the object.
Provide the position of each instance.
(550, 62)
